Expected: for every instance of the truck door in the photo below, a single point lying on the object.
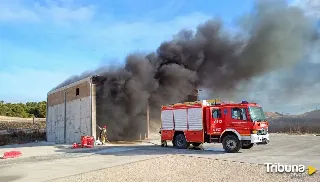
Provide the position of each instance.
(216, 121)
(239, 120)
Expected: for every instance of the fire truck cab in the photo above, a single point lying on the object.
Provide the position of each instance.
(235, 125)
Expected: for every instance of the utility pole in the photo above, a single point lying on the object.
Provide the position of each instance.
(148, 121)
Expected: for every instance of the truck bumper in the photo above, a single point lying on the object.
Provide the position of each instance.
(260, 139)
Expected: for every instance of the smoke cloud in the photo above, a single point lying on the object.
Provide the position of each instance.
(273, 37)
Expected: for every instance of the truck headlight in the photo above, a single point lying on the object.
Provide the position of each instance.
(254, 131)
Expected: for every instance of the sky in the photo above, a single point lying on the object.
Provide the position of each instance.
(43, 42)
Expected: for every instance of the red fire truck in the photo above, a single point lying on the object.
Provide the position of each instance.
(235, 125)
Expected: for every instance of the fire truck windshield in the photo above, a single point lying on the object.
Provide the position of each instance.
(257, 114)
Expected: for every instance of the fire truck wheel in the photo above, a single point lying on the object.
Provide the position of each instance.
(181, 142)
(247, 146)
(231, 144)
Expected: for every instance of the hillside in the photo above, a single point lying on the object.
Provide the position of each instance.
(312, 115)
(308, 122)
(272, 114)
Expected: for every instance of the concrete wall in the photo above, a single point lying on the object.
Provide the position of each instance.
(78, 119)
(55, 123)
(68, 114)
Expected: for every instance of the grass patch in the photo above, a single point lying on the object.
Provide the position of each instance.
(22, 137)
(21, 132)
(9, 125)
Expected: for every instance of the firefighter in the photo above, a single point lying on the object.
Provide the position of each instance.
(103, 135)
(163, 142)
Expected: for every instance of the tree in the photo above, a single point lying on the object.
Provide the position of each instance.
(29, 109)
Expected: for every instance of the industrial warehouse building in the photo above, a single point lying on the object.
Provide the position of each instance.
(71, 111)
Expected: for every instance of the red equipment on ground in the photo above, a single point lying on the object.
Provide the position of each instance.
(86, 142)
(11, 154)
(235, 125)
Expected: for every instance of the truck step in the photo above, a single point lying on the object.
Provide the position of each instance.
(214, 140)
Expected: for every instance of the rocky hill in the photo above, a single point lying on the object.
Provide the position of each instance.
(308, 122)
(272, 114)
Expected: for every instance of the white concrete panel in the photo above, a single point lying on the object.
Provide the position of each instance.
(78, 119)
(88, 123)
(76, 111)
(60, 123)
(48, 124)
(55, 122)
(52, 134)
(85, 126)
(49, 130)
(70, 125)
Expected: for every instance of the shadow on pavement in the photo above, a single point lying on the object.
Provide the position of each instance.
(134, 150)
(10, 178)
(31, 144)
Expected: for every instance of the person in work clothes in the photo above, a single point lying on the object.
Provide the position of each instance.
(164, 142)
(103, 134)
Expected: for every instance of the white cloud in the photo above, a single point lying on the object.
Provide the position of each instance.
(64, 12)
(122, 37)
(119, 36)
(311, 7)
(90, 37)
(57, 11)
(12, 11)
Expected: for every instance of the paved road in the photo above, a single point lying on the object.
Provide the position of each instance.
(283, 149)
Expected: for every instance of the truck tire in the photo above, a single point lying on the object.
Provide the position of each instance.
(195, 144)
(231, 144)
(247, 146)
(181, 142)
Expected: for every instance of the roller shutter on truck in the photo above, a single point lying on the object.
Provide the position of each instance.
(167, 120)
(182, 119)
(195, 119)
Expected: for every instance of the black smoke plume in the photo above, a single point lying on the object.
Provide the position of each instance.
(273, 37)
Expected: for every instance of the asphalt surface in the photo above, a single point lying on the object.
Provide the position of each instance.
(63, 163)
